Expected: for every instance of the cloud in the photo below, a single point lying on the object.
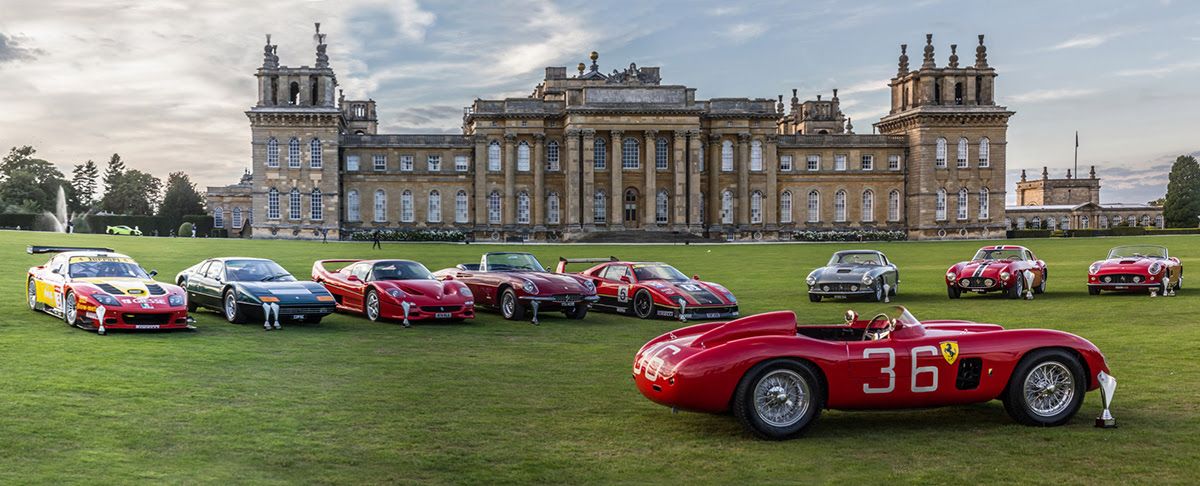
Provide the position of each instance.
(1161, 71)
(865, 87)
(1088, 41)
(12, 49)
(743, 31)
(1052, 94)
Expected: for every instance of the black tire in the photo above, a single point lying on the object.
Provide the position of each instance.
(1016, 403)
(744, 399)
(895, 289)
(371, 305)
(578, 312)
(814, 297)
(1041, 288)
(1018, 287)
(230, 309)
(643, 304)
(70, 313)
(510, 306)
(953, 292)
(1093, 290)
(111, 232)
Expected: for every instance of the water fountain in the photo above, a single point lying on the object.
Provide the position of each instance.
(58, 219)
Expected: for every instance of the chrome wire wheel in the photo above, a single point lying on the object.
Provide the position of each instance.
(230, 306)
(372, 306)
(1049, 389)
(508, 305)
(781, 398)
(32, 295)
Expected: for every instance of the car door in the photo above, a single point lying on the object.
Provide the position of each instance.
(209, 287)
(50, 288)
(606, 288)
(192, 284)
(354, 288)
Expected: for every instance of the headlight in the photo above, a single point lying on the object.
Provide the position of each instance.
(175, 300)
(866, 280)
(590, 285)
(811, 279)
(729, 296)
(466, 291)
(951, 275)
(105, 299)
(1005, 275)
(397, 293)
(1155, 268)
(1094, 268)
(529, 287)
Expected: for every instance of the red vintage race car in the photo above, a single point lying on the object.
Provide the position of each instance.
(1136, 268)
(99, 290)
(1010, 269)
(776, 377)
(394, 289)
(653, 289)
(518, 285)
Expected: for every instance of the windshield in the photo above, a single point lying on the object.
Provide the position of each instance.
(499, 262)
(400, 270)
(1139, 251)
(903, 317)
(256, 271)
(110, 267)
(870, 258)
(1001, 254)
(658, 271)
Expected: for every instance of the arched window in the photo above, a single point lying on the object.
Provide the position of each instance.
(940, 205)
(294, 204)
(552, 156)
(1035, 223)
(985, 204)
(460, 207)
(523, 207)
(894, 205)
(599, 154)
(785, 207)
(237, 218)
(494, 207)
(814, 207)
(660, 155)
(1051, 223)
(360, 111)
(1103, 221)
(962, 153)
(600, 208)
(756, 156)
(316, 205)
(1064, 223)
(1021, 223)
(1085, 222)
(1159, 221)
(630, 158)
(958, 93)
(434, 212)
(940, 157)
(272, 152)
(294, 93)
(406, 207)
(1145, 220)
(380, 206)
(756, 207)
(494, 156)
(661, 205)
(352, 205)
(294, 153)
(868, 206)
(1116, 220)
(523, 156)
(314, 154)
(273, 204)
(839, 206)
(552, 209)
(962, 203)
(727, 156)
(218, 218)
(985, 152)
(727, 207)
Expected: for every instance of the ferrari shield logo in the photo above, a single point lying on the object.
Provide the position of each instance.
(949, 351)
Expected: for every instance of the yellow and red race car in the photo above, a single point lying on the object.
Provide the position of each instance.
(97, 289)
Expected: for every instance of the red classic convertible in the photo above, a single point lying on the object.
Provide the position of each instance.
(394, 289)
(651, 289)
(1002, 268)
(777, 377)
(1136, 268)
(517, 285)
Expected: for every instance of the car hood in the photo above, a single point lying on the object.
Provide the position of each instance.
(1122, 265)
(553, 283)
(844, 273)
(436, 289)
(134, 287)
(982, 268)
(278, 289)
(696, 291)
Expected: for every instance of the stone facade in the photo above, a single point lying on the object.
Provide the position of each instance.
(1073, 203)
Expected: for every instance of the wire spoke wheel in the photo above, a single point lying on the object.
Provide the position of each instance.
(509, 305)
(230, 306)
(1049, 389)
(781, 398)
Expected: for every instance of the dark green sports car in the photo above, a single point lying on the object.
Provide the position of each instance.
(254, 288)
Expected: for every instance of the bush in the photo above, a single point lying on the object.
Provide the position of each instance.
(409, 235)
(850, 235)
(1173, 231)
(1126, 231)
(185, 230)
(202, 222)
(24, 220)
(1029, 233)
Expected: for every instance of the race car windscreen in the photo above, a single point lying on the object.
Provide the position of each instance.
(901, 315)
(658, 272)
(998, 254)
(105, 267)
(1139, 251)
(400, 270)
(499, 262)
(857, 259)
(256, 271)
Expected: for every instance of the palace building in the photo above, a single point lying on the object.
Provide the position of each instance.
(590, 152)
(1073, 203)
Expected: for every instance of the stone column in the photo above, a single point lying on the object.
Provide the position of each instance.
(509, 163)
(678, 211)
(649, 186)
(589, 177)
(771, 198)
(714, 180)
(693, 174)
(616, 215)
(479, 165)
(742, 159)
(570, 197)
(538, 198)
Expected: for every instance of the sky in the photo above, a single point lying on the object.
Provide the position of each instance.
(166, 83)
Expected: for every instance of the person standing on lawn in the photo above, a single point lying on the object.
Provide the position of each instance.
(375, 240)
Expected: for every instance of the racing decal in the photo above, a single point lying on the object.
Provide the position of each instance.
(979, 270)
(916, 372)
(653, 364)
(623, 293)
(949, 351)
(79, 259)
(690, 287)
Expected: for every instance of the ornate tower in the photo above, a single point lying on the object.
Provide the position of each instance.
(294, 129)
(956, 138)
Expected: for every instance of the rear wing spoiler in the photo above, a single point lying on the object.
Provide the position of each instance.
(36, 250)
(318, 267)
(562, 262)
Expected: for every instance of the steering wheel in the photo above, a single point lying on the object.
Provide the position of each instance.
(884, 331)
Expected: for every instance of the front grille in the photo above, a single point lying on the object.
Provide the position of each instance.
(700, 311)
(146, 319)
(292, 311)
(977, 282)
(568, 298)
(440, 308)
(155, 289)
(1123, 278)
(109, 288)
(839, 287)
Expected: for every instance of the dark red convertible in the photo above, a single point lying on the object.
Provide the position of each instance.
(519, 286)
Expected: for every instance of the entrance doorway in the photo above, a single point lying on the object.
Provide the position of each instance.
(631, 208)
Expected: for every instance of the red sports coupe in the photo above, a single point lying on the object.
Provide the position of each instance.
(776, 377)
(1136, 268)
(652, 289)
(517, 285)
(394, 289)
(1000, 268)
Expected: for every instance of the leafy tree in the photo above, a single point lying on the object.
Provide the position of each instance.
(181, 199)
(1157, 202)
(28, 182)
(1181, 207)
(113, 172)
(83, 183)
(134, 192)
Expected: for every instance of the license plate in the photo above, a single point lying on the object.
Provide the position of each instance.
(568, 304)
(442, 315)
(146, 326)
(1120, 287)
(713, 315)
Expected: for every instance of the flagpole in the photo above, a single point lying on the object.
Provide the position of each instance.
(1076, 153)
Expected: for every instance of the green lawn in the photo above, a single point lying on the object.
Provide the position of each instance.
(491, 401)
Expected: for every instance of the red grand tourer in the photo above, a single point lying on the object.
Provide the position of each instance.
(394, 289)
(1010, 269)
(1137, 268)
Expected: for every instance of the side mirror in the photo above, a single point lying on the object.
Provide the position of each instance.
(447, 277)
(695, 277)
(352, 278)
(851, 316)
(625, 279)
(153, 273)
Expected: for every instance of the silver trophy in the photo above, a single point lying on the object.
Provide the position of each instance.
(887, 293)
(1028, 274)
(534, 304)
(1108, 385)
(682, 310)
(406, 306)
(100, 317)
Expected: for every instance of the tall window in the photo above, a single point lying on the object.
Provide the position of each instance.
(727, 207)
(785, 163)
(316, 206)
(314, 154)
(660, 154)
(218, 218)
(756, 156)
(494, 207)
(352, 162)
(460, 207)
(237, 218)
(868, 162)
(814, 163)
(1103, 221)
(1159, 222)
(962, 203)
(661, 207)
(985, 152)
(433, 163)
(893, 162)
(522, 207)
(552, 209)
(839, 162)
(273, 204)
(984, 205)
(839, 206)
(702, 206)
(294, 204)
(406, 207)
(727, 156)
(785, 207)
(1035, 223)
(406, 163)
(434, 213)
(272, 152)
(352, 203)
(894, 205)
(494, 156)
(1116, 220)
(940, 206)
(294, 153)
(380, 206)
(940, 157)
(523, 156)
(460, 163)
(1085, 222)
(600, 208)
(629, 154)
(756, 207)
(868, 206)
(379, 162)
(1051, 223)
(1021, 223)
(599, 154)
(814, 207)
(700, 166)
(552, 163)
(1145, 220)
(962, 153)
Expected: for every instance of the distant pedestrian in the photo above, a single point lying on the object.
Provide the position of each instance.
(375, 240)
(70, 227)
(324, 235)
(193, 231)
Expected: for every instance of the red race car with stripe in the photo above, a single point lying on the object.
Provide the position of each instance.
(1138, 268)
(401, 290)
(653, 289)
(777, 377)
(99, 290)
(1010, 269)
